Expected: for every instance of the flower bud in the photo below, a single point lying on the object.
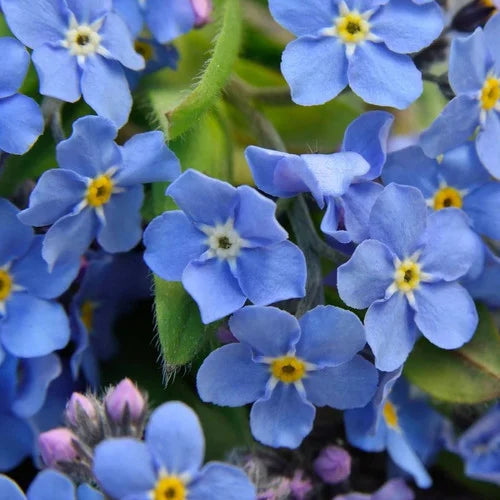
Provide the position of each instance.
(124, 395)
(202, 12)
(79, 404)
(300, 486)
(56, 446)
(333, 464)
(224, 335)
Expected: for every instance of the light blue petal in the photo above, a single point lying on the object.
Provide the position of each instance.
(491, 34)
(175, 438)
(283, 419)
(385, 386)
(168, 19)
(105, 89)
(315, 69)
(203, 199)
(330, 336)
(487, 145)
(350, 385)
(332, 218)
(146, 158)
(33, 327)
(273, 273)
(90, 10)
(15, 62)
(131, 12)
(213, 287)
(217, 480)
(85, 492)
(445, 314)
(16, 238)
(21, 123)
(360, 431)
(368, 135)
(252, 325)
(123, 466)
(485, 286)
(367, 275)
(382, 77)
(9, 489)
(51, 485)
(229, 376)
(390, 331)
(17, 440)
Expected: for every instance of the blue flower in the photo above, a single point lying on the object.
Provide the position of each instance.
(97, 191)
(339, 180)
(363, 43)
(406, 274)
(474, 75)
(21, 120)
(407, 428)
(479, 447)
(31, 324)
(225, 245)
(286, 367)
(166, 19)
(48, 484)
(78, 48)
(167, 464)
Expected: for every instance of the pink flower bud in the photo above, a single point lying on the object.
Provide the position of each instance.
(300, 486)
(57, 446)
(123, 395)
(79, 403)
(202, 11)
(333, 464)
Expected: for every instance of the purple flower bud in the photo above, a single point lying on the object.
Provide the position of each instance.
(224, 335)
(56, 445)
(79, 403)
(123, 395)
(202, 11)
(300, 486)
(333, 464)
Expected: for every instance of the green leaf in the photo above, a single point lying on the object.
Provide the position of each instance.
(469, 375)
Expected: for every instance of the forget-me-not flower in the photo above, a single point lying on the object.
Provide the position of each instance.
(79, 48)
(474, 74)
(225, 245)
(98, 190)
(21, 120)
(406, 274)
(360, 43)
(168, 464)
(286, 367)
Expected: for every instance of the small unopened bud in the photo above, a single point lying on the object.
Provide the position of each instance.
(300, 486)
(79, 404)
(202, 12)
(124, 395)
(333, 465)
(57, 446)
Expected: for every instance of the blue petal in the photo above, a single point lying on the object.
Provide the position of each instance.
(485, 286)
(217, 480)
(303, 18)
(445, 314)
(398, 219)
(382, 77)
(283, 419)
(9, 489)
(368, 135)
(367, 275)
(390, 331)
(90, 10)
(385, 387)
(33, 327)
(15, 62)
(252, 325)
(146, 158)
(315, 69)
(123, 466)
(483, 431)
(105, 89)
(85, 492)
(229, 376)
(203, 199)
(175, 438)
(491, 34)
(51, 485)
(56, 194)
(452, 127)
(351, 385)
(487, 145)
(169, 260)
(122, 229)
(213, 287)
(168, 19)
(331, 220)
(406, 27)
(271, 274)
(360, 432)
(17, 438)
(131, 13)
(16, 238)
(21, 123)
(58, 72)
(330, 336)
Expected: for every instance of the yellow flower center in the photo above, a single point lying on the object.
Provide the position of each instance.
(352, 28)
(490, 94)
(5, 284)
(99, 191)
(390, 415)
(288, 369)
(407, 275)
(144, 49)
(447, 197)
(169, 488)
(87, 314)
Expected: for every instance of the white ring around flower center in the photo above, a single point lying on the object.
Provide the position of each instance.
(223, 240)
(83, 40)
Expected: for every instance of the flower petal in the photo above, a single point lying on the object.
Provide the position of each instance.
(15, 62)
(488, 148)
(482, 205)
(16, 238)
(9, 489)
(168, 19)
(51, 485)
(360, 431)
(17, 438)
